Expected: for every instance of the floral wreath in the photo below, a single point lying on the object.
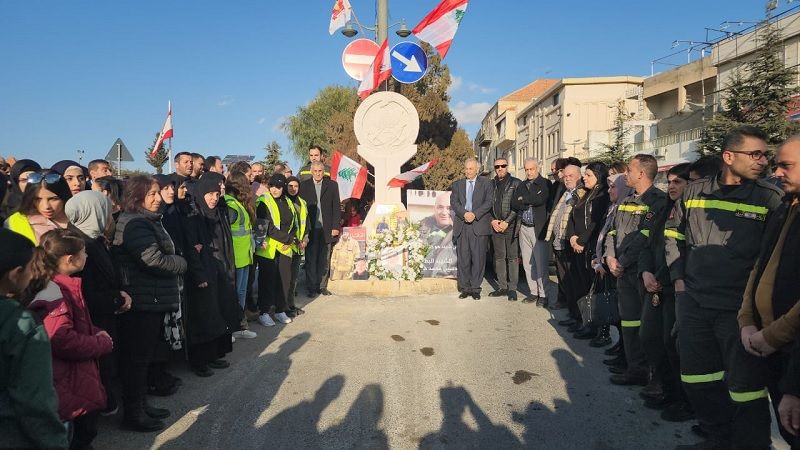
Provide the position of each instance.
(404, 238)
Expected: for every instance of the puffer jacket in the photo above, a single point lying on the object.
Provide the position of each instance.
(28, 402)
(75, 346)
(146, 259)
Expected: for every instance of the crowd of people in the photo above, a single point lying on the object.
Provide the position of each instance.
(104, 281)
(701, 280)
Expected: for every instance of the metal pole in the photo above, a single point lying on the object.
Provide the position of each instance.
(382, 28)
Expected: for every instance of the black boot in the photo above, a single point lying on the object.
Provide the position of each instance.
(155, 413)
(603, 337)
(135, 418)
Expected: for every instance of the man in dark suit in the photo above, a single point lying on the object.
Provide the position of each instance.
(471, 200)
(531, 200)
(324, 213)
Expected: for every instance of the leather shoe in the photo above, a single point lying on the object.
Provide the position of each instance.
(531, 299)
(325, 292)
(615, 361)
(617, 349)
(476, 296)
(512, 296)
(629, 379)
(657, 403)
(219, 364)
(618, 369)
(600, 341)
(498, 293)
(142, 423)
(541, 302)
(575, 327)
(463, 295)
(155, 413)
(567, 322)
(586, 333)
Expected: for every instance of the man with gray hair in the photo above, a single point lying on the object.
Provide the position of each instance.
(471, 201)
(557, 234)
(531, 200)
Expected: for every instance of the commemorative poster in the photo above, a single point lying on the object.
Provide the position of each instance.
(431, 210)
(349, 255)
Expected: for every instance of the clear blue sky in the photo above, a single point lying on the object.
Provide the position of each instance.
(78, 74)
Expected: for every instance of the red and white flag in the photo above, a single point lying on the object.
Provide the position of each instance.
(340, 15)
(349, 175)
(439, 27)
(378, 72)
(166, 132)
(407, 177)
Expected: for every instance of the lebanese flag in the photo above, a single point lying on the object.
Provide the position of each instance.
(407, 177)
(166, 132)
(378, 72)
(349, 175)
(439, 27)
(340, 15)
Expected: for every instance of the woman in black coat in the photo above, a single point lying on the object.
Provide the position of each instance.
(149, 270)
(212, 311)
(583, 229)
(91, 213)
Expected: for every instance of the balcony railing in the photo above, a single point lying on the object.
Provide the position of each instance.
(667, 139)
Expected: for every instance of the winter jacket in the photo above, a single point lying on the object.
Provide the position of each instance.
(75, 346)
(635, 218)
(505, 212)
(714, 235)
(28, 401)
(534, 194)
(147, 263)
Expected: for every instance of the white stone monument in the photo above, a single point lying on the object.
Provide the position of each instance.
(386, 125)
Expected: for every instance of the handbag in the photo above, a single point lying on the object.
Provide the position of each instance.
(605, 309)
(585, 305)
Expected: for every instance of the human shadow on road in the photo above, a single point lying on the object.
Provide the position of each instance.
(225, 414)
(455, 433)
(360, 427)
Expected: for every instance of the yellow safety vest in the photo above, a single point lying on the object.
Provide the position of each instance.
(242, 231)
(18, 223)
(302, 218)
(272, 245)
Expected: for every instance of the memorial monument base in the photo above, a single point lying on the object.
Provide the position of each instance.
(393, 288)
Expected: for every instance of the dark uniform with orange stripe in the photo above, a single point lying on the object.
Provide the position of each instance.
(628, 237)
(712, 241)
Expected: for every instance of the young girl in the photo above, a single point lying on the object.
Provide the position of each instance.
(76, 343)
(28, 416)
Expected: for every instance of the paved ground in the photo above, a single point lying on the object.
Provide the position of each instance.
(426, 372)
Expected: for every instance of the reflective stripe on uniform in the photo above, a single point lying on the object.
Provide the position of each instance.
(633, 208)
(742, 397)
(272, 245)
(672, 233)
(646, 233)
(703, 378)
(631, 323)
(726, 206)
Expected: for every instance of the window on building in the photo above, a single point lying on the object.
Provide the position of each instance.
(555, 99)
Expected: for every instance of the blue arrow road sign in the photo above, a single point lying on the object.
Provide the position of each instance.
(409, 62)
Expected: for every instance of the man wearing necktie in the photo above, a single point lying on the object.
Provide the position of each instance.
(471, 200)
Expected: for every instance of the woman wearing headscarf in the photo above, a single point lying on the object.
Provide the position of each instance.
(583, 229)
(19, 180)
(617, 191)
(211, 308)
(277, 216)
(90, 213)
(74, 174)
(42, 206)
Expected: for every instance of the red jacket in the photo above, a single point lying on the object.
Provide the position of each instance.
(74, 345)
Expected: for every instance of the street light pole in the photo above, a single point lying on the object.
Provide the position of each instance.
(382, 27)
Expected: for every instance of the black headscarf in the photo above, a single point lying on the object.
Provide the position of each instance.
(14, 198)
(202, 187)
(286, 190)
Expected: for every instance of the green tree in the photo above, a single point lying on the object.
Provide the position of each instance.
(758, 93)
(617, 150)
(326, 121)
(273, 150)
(160, 158)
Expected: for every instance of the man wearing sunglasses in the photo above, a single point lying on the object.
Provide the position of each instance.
(505, 233)
(712, 241)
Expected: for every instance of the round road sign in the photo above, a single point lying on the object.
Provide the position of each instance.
(358, 56)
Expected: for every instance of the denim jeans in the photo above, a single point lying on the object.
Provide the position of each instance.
(241, 285)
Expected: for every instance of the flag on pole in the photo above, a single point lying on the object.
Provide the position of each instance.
(378, 72)
(349, 175)
(340, 15)
(166, 132)
(407, 177)
(439, 27)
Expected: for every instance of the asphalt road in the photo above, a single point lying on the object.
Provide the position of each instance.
(425, 372)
